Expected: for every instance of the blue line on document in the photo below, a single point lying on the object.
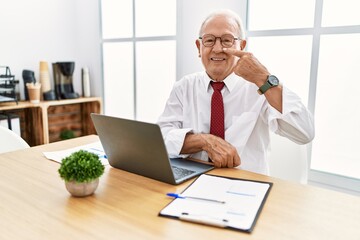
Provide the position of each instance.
(242, 194)
(101, 155)
(95, 149)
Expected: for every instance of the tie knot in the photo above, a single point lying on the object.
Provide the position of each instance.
(217, 85)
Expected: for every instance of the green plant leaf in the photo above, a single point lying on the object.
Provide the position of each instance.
(81, 166)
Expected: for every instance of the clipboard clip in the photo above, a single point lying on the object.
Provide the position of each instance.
(202, 219)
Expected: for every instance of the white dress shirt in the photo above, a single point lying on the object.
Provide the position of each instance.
(248, 118)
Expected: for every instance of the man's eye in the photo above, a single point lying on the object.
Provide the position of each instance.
(209, 40)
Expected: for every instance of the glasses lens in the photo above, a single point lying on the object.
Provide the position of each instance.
(227, 40)
(208, 40)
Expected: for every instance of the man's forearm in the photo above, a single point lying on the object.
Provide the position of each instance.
(193, 143)
(221, 153)
(274, 97)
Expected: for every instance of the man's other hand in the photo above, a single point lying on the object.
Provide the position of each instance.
(248, 66)
(221, 153)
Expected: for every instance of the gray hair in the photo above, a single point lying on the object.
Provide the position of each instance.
(227, 13)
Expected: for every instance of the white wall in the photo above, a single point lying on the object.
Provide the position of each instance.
(69, 30)
(52, 31)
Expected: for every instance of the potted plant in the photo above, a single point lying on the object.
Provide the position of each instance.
(67, 134)
(81, 171)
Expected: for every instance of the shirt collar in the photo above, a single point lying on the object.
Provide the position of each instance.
(230, 81)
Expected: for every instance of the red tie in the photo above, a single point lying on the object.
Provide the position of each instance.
(217, 111)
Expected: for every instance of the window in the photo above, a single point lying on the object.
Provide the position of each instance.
(340, 13)
(287, 49)
(318, 44)
(269, 15)
(139, 55)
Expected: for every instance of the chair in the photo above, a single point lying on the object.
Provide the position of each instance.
(288, 160)
(10, 141)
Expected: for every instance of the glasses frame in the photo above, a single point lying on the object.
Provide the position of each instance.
(221, 40)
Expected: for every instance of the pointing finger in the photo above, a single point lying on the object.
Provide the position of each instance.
(234, 52)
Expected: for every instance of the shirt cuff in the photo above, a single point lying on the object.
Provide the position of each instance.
(174, 142)
(295, 122)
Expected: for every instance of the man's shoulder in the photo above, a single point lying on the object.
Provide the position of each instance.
(190, 82)
(194, 76)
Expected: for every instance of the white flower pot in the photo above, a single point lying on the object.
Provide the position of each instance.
(83, 189)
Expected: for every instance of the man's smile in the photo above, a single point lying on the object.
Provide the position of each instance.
(217, 59)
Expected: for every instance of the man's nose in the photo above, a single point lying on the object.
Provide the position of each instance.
(217, 46)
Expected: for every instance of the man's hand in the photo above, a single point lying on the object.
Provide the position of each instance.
(253, 71)
(221, 153)
(248, 67)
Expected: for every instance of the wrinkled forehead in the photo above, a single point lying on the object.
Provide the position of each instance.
(219, 25)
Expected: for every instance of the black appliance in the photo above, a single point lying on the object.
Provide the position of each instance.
(63, 79)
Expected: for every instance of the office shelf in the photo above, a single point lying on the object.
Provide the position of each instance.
(42, 123)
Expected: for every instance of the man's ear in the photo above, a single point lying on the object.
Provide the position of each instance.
(243, 44)
(197, 42)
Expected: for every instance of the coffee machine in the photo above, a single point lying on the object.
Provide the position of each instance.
(63, 79)
(28, 77)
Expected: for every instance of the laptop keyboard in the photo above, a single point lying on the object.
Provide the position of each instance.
(181, 172)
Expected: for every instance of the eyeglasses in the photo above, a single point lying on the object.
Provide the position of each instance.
(226, 40)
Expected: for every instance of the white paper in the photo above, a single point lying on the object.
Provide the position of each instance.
(95, 147)
(242, 200)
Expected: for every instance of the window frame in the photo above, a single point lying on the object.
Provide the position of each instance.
(134, 40)
(316, 177)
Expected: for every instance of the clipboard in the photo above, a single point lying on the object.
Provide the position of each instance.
(224, 202)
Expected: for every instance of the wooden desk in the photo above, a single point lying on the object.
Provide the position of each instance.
(34, 204)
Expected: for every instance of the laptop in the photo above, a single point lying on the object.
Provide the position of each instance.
(138, 147)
